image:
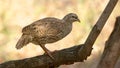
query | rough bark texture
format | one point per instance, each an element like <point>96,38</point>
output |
<point>66,56</point>
<point>85,51</point>
<point>112,48</point>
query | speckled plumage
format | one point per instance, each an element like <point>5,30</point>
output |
<point>47,30</point>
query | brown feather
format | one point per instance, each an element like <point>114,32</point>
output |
<point>47,30</point>
<point>24,40</point>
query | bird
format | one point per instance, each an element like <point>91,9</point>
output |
<point>47,30</point>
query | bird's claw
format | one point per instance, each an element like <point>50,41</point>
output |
<point>49,54</point>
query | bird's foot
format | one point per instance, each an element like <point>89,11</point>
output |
<point>49,53</point>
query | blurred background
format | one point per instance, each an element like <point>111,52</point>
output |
<point>16,14</point>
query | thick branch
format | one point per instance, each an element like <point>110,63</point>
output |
<point>97,29</point>
<point>66,56</point>
<point>112,48</point>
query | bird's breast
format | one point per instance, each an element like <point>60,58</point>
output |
<point>54,35</point>
<point>67,29</point>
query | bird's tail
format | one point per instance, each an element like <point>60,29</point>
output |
<point>24,40</point>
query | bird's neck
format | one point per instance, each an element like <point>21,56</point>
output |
<point>67,24</point>
<point>67,20</point>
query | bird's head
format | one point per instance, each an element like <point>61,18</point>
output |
<point>71,17</point>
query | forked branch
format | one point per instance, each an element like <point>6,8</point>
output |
<point>66,56</point>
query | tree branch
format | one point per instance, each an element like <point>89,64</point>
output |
<point>97,29</point>
<point>112,48</point>
<point>66,56</point>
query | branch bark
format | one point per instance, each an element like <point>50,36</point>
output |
<point>112,48</point>
<point>97,29</point>
<point>66,56</point>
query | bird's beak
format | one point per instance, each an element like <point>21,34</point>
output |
<point>78,20</point>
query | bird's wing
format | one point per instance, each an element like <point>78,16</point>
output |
<point>42,28</point>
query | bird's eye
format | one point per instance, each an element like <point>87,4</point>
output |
<point>74,17</point>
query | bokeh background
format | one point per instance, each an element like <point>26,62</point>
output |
<point>15,14</point>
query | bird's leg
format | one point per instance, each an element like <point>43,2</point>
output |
<point>47,51</point>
